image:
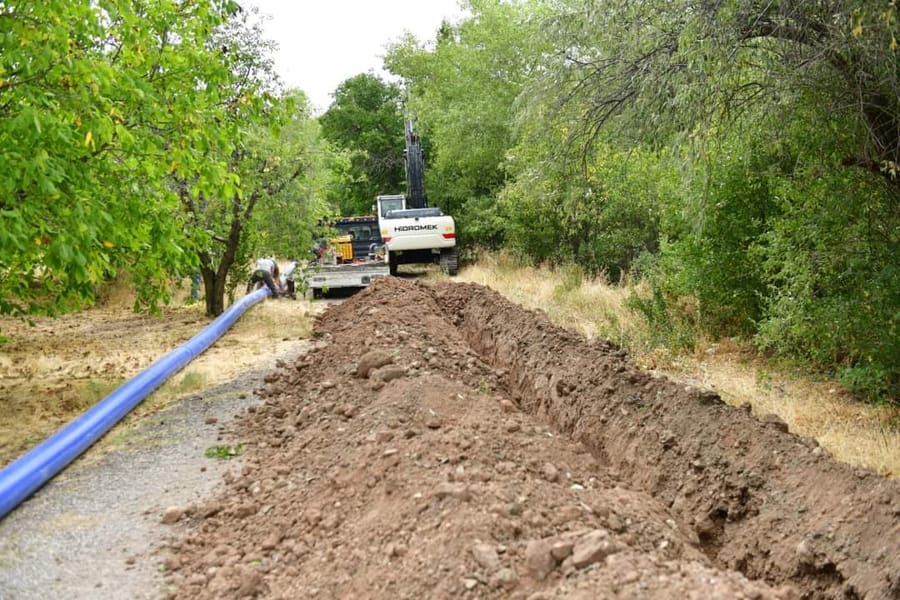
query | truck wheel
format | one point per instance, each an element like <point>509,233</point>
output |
<point>393,264</point>
<point>450,261</point>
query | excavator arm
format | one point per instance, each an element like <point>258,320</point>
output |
<point>415,169</point>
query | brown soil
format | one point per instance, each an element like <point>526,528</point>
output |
<point>443,442</point>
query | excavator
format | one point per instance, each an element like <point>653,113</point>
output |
<point>412,231</point>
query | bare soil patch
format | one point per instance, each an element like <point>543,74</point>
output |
<point>443,442</point>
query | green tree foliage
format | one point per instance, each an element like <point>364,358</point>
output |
<point>658,69</point>
<point>462,92</point>
<point>712,228</point>
<point>93,117</point>
<point>831,266</point>
<point>771,108</point>
<point>285,221</point>
<point>266,167</point>
<point>269,211</point>
<point>366,122</point>
<point>741,154</point>
<point>143,137</point>
<point>602,217</point>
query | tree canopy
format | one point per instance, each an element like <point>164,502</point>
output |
<point>99,102</point>
<point>137,137</point>
<point>740,155</point>
<point>366,121</point>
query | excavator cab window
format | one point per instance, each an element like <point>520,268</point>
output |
<point>388,205</point>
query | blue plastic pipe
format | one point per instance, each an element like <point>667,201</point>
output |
<point>27,474</point>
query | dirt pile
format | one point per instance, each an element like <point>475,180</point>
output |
<point>417,452</point>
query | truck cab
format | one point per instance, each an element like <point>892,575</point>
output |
<point>364,234</point>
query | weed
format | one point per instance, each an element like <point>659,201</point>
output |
<point>224,452</point>
<point>763,379</point>
<point>572,276</point>
<point>192,381</point>
<point>86,393</point>
<point>870,380</point>
<point>892,424</point>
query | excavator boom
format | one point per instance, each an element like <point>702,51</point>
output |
<point>415,169</point>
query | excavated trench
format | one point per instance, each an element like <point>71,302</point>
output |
<point>761,500</point>
<point>443,442</point>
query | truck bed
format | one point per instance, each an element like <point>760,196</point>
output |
<point>331,277</point>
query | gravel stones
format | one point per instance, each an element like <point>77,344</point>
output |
<point>539,558</point>
<point>592,547</point>
<point>173,514</point>
<point>486,556</point>
<point>448,489</point>
<point>550,472</point>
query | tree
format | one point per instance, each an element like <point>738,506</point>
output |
<point>286,221</point>
<point>265,158</point>
<point>849,50</point>
<point>366,121</point>
<point>770,108</point>
<point>646,68</point>
<point>277,197</point>
<point>99,102</point>
<point>141,138</point>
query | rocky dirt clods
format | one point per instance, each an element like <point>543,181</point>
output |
<point>446,443</point>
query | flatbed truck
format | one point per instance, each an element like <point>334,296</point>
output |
<point>354,258</point>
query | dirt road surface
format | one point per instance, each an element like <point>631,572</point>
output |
<point>442,442</point>
<point>94,530</point>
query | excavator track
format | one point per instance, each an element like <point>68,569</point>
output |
<point>450,261</point>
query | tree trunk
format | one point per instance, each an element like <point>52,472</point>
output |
<point>214,279</point>
<point>214,287</point>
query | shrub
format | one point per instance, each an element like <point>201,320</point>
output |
<point>832,271</point>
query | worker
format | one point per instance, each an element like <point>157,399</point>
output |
<point>266,271</point>
<point>288,286</point>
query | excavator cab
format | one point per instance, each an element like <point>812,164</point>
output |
<point>389,203</point>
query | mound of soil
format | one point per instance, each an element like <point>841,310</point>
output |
<point>443,442</point>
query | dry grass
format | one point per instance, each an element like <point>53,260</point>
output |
<point>51,373</point>
<point>853,432</point>
<point>256,341</point>
<point>590,306</point>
